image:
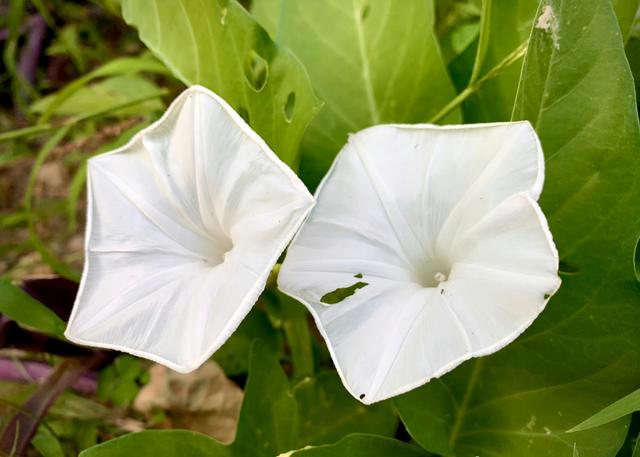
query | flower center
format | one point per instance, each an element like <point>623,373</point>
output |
<point>433,274</point>
<point>217,251</point>
<point>440,277</point>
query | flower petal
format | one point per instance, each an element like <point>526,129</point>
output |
<point>438,229</point>
<point>184,225</point>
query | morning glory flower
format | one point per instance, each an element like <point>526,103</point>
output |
<point>184,225</point>
<point>426,248</point>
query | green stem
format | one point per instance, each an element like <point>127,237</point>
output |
<point>27,131</point>
<point>483,43</point>
<point>35,129</point>
<point>474,86</point>
<point>47,256</point>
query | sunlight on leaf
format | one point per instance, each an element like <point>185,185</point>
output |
<point>219,45</point>
<point>371,62</point>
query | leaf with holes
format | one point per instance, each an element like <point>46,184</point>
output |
<point>371,62</point>
<point>217,44</point>
<point>581,355</point>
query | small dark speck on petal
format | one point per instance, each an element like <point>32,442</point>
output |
<point>361,396</point>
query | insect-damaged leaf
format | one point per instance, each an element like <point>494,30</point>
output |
<point>371,62</point>
<point>219,45</point>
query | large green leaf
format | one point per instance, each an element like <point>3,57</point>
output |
<point>328,412</point>
<point>623,407</point>
<point>371,62</point>
<point>25,310</point>
<point>234,354</point>
<point>159,443</point>
<point>582,353</point>
<point>217,44</point>
<point>363,446</point>
<point>268,423</point>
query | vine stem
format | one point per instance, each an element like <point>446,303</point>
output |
<point>474,86</point>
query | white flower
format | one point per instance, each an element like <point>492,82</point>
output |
<point>436,234</point>
<point>184,225</point>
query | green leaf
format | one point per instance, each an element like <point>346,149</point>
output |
<point>124,66</point>
<point>216,43</point>
<point>159,443</point>
<point>371,62</point>
<point>68,43</point>
<point>121,381</point>
<point>582,353</point>
<point>234,354</point>
<point>357,445</point>
<point>25,310</point>
<point>623,407</point>
<point>108,93</point>
<point>457,28</point>
<point>626,12</point>
<point>507,26</point>
<point>268,423</point>
<point>292,317</point>
<point>328,412</point>
<point>47,444</point>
